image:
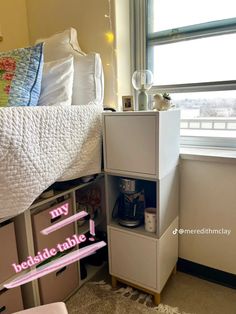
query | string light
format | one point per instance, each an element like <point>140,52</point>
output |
<point>109,35</point>
<point>110,38</point>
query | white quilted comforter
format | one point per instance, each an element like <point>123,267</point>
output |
<point>41,145</point>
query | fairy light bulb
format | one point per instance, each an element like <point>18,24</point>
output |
<point>110,37</point>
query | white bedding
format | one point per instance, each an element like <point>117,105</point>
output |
<point>41,145</point>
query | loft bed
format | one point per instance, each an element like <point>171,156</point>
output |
<point>40,145</point>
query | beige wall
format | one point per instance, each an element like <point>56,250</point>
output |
<point>46,17</point>
<point>123,49</point>
<point>208,200</point>
<point>13,24</point>
<point>23,21</point>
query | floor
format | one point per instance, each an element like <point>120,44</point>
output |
<point>198,296</point>
<point>193,295</point>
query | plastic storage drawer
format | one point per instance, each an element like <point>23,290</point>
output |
<point>10,301</point>
<point>8,252</point>
<point>43,220</point>
<point>58,285</point>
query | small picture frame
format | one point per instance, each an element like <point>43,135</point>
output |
<point>127,103</point>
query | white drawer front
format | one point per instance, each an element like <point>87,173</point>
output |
<point>133,258</point>
<point>131,144</point>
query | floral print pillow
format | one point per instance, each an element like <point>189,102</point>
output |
<point>20,76</point>
<point>7,70</point>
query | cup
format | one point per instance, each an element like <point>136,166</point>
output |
<point>150,219</point>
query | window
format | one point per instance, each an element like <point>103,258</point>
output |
<point>191,50</point>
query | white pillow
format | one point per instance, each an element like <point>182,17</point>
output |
<point>60,45</point>
<point>57,82</point>
<point>88,79</point>
<point>88,73</point>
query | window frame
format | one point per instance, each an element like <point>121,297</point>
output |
<point>141,45</point>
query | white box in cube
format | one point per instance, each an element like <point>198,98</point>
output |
<point>151,151</point>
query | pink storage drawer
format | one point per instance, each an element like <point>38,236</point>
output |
<point>58,285</point>
<point>8,252</point>
<point>10,301</point>
<point>43,220</point>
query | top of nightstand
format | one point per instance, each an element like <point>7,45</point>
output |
<point>139,113</point>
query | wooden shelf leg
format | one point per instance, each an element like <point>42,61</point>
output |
<point>113,282</point>
<point>157,298</point>
<point>174,271</point>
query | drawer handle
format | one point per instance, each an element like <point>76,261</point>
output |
<point>55,219</point>
<point>60,271</point>
<point>3,291</point>
<point>2,309</point>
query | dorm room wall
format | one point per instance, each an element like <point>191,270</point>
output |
<point>207,200</point>
<point>46,17</point>
<point>13,24</point>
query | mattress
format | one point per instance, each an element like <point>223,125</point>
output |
<point>42,145</point>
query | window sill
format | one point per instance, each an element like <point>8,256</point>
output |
<point>208,154</point>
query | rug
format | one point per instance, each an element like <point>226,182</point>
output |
<point>100,298</point>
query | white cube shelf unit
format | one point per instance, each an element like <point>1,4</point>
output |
<point>144,146</point>
<point>61,284</point>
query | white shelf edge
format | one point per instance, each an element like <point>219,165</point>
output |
<point>138,230</point>
<point>140,176</point>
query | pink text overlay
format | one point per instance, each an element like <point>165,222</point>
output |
<point>64,223</point>
<point>59,211</point>
<point>47,253</point>
<point>55,265</point>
